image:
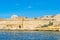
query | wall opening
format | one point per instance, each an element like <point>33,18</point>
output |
<point>19,26</point>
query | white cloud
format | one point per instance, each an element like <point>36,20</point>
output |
<point>17,4</point>
<point>29,6</point>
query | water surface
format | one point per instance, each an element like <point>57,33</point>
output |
<point>29,35</point>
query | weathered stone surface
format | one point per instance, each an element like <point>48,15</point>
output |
<point>16,22</point>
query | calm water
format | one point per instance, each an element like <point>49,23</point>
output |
<point>29,35</point>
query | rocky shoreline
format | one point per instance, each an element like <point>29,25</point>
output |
<point>37,29</point>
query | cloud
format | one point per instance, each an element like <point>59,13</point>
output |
<point>29,6</point>
<point>17,4</point>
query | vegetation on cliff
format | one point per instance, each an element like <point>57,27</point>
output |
<point>46,25</point>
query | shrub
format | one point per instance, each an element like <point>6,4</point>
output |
<point>44,26</point>
<point>50,24</point>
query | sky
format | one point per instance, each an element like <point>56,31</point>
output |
<point>29,8</point>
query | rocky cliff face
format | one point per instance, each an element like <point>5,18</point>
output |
<point>16,22</point>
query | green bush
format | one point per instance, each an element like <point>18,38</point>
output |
<point>44,26</point>
<point>50,24</point>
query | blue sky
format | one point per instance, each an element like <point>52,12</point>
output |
<point>29,8</point>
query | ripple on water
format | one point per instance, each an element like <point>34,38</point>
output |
<point>29,35</point>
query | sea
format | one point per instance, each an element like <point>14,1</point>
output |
<point>29,35</point>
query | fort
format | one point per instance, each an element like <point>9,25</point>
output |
<point>15,22</point>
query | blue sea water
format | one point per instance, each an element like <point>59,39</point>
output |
<point>29,35</point>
